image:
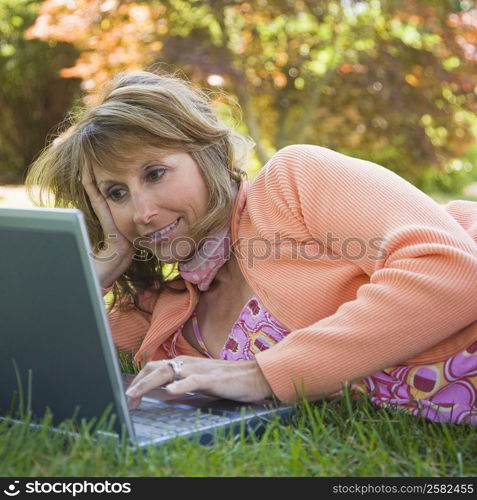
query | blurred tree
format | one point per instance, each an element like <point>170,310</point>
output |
<point>33,97</point>
<point>393,81</point>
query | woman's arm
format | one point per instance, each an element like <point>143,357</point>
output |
<point>128,328</point>
<point>422,281</point>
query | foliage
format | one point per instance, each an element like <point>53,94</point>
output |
<point>33,97</point>
<point>390,80</point>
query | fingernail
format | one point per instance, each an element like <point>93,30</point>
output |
<point>171,387</point>
<point>132,405</point>
<point>131,392</point>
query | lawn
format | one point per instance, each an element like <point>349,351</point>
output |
<point>341,437</point>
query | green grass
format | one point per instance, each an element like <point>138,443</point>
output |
<point>340,437</point>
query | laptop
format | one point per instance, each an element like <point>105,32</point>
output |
<point>56,348</point>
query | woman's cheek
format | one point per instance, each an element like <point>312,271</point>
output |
<point>124,224</point>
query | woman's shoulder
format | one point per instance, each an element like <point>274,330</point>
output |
<point>304,160</point>
<point>296,153</point>
<point>300,166</point>
<point>291,171</point>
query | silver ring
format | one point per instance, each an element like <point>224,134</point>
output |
<point>176,368</point>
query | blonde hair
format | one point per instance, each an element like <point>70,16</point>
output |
<point>137,109</point>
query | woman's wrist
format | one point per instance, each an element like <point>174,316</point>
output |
<point>108,272</point>
<point>262,387</point>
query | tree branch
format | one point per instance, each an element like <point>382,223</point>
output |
<point>251,121</point>
<point>240,85</point>
<point>311,105</point>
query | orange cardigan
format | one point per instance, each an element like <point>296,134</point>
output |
<point>365,270</point>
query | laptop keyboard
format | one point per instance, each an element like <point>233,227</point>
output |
<point>153,420</point>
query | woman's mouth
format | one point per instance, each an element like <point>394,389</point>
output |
<point>164,233</point>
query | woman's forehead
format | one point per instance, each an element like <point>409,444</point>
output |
<point>128,157</point>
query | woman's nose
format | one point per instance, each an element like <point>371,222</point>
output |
<point>144,210</point>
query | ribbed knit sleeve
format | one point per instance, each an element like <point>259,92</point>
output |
<point>422,268</point>
<point>129,327</point>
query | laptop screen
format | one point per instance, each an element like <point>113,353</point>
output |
<point>52,341</point>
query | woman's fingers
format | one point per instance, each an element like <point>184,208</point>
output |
<point>115,251</point>
<point>154,374</point>
<point>99,204</point>
<point>239,381</point>
<point>193,383</point>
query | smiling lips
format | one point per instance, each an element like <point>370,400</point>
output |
<point>163,233</point>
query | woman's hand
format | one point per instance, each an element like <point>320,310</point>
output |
<point>115,258</point>
<point>237,380</point>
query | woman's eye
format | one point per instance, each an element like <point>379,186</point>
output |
<point>115,194</point>
<point>119,193</point>
<point>155,174</point>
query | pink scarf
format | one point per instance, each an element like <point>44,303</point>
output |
<point>209,258</point>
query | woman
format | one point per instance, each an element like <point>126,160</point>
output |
<point>325,270</point>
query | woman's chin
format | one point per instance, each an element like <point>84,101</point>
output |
<point>170,254</point>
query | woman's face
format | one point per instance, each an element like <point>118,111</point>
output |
<point>155,200</point>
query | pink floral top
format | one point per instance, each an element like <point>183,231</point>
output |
<point>255,330</point>
<point>443,392</point>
